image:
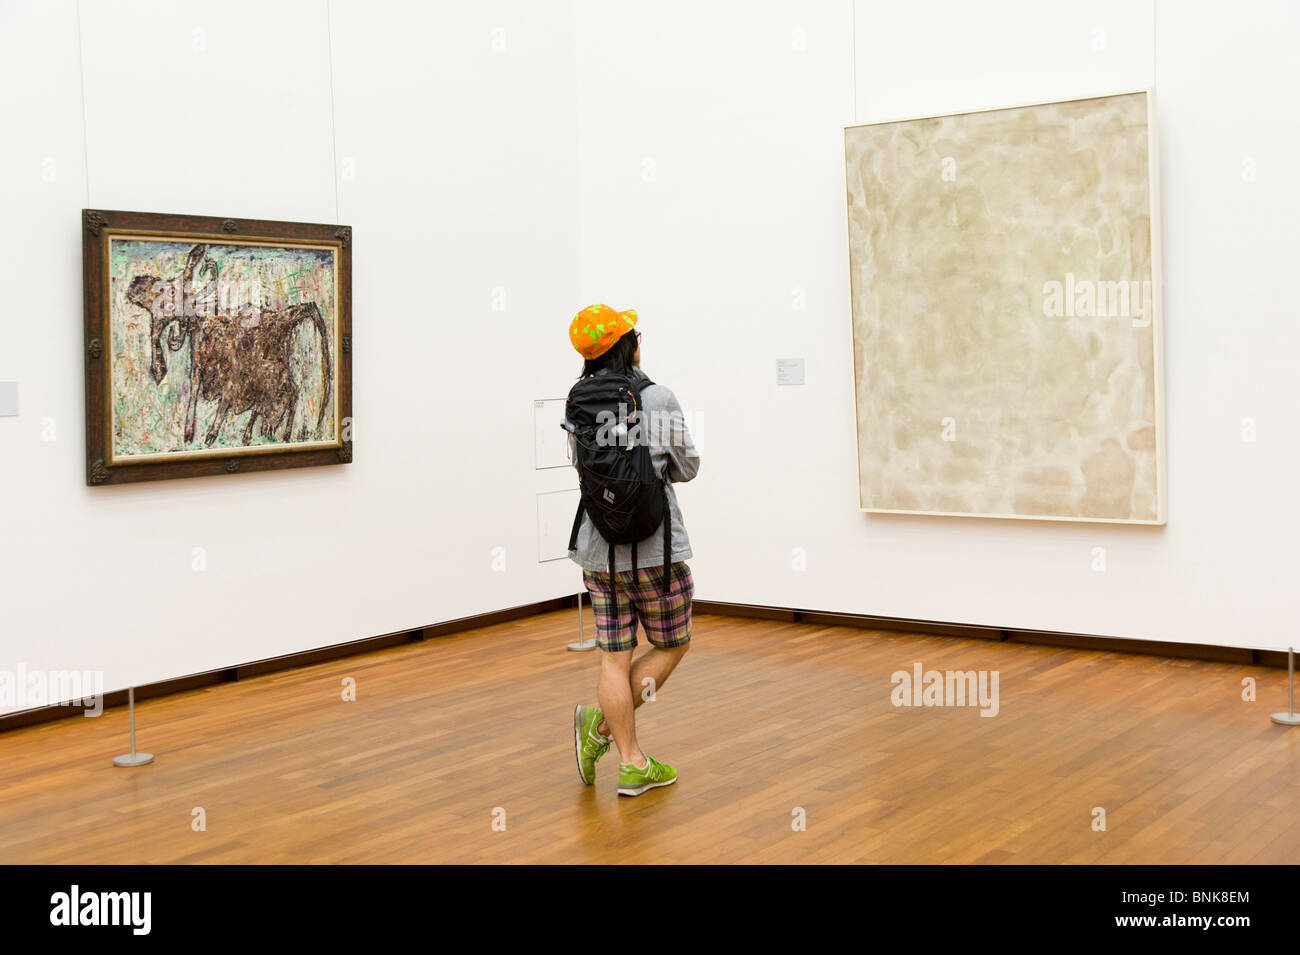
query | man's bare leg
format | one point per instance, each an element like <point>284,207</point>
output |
<point>656,665</point>
<point>614,694</point>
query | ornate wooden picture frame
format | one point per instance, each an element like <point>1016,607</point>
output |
<point>214,346</point>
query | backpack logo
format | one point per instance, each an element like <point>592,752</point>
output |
<point>608,495</point>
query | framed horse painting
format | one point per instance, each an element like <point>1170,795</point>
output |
<point>214,346</point>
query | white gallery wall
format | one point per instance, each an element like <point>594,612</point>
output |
<point>713,201</point>
<point>503,164</point>
<point>454,129</point>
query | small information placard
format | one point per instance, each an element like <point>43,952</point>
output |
<point>552,440</point>
<point>555,510</point>
<point>789,371</point>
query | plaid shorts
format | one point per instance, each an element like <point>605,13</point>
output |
<point>666,619</point>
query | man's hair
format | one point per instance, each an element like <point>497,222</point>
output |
<point>617,359</point>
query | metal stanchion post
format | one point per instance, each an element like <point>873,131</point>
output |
<point>582,644</point>
<point>1290,717</point>
<point>132,758</point>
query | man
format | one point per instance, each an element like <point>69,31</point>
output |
<point>609,345</point>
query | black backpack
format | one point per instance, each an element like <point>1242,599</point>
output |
<point>621,492</point>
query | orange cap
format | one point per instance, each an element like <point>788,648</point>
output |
<point>596,328</point>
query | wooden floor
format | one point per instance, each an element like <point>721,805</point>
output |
<point>761,717</point>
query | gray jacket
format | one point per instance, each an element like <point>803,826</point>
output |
<point>675,459</point>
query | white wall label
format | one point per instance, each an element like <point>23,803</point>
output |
<point>555,510</point>
<point>552,440</point>
<point>789,371</point>
<point>8,399</point>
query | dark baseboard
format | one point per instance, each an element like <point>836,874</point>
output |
<point>1156,648</point>
<point>288,661</point>
<point>1195,651</point>
<point>744,610</point>
<point>900,625</point>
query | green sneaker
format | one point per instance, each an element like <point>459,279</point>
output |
<point>633,781</point>
<point>588,745</point>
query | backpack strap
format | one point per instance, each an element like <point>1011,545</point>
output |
<point>634,563</point>
<point>613,587</point>
<point>577,522</point>
<point>639,383</point>
<point>668,543</point>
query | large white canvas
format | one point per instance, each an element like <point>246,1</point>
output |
<point>1006,312</point>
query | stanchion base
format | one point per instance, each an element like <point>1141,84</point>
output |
<point>1286,719</point>
<point>133,759</point>
<point>584,645</point>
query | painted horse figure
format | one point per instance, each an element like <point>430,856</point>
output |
<point>241,360</point>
